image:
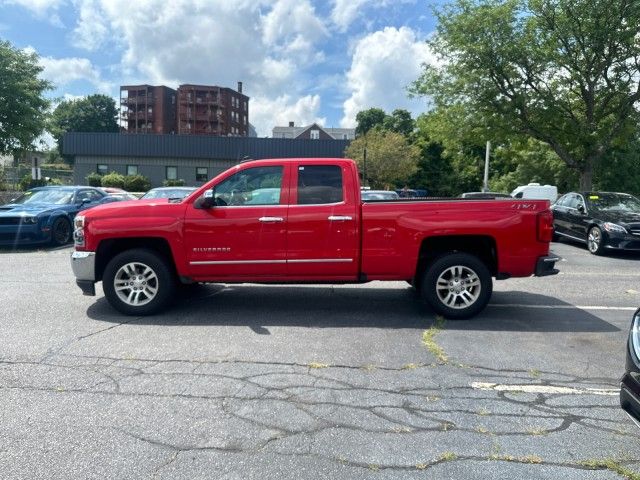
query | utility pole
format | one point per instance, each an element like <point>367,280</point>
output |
<point>485,184</point>
<point>364,167</point>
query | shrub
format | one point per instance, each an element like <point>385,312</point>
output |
<point>27,182</point>
<point>3,180</point>
<point>136,183</point>
<point>113,179</point>
<point>173,183</point>
<point>94,179</point>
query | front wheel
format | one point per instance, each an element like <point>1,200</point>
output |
<point>457,285</point>
<point>594,241</point>
<point>138,282</point>
<point>60,232</point>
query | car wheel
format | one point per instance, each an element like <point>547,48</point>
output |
<point>457,285</point>
<point>595,242</point>
<point>60,232</point>
<point>138,282</point>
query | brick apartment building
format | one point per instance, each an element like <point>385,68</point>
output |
<point>190,110</point>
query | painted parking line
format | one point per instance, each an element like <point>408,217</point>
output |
<point>564,307</point>
<point>546,389</point>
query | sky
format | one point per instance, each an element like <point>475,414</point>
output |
<point>299,60</point>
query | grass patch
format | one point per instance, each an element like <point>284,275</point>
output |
<point>410,366</point>
<point>534,372</point>
<point>610,464</point>
<point>447,457</point>
<point>318,365</point>
<point>483,412</point>
<point>428,340</point>
<point>537,431</point>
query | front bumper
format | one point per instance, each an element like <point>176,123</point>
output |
<point>15,235</point>
<point>545,265</point>
<point>84,269</point>
<point>621,241</point>
<point>630,396</point>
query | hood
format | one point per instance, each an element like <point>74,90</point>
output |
<point>19,209</point>
<point>621,218</point>
<point>137,208</point>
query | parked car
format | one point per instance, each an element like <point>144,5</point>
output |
<point>535,191</point>
<point>118,194</point>
<point>168,192</point>
<point>368,195</point>
<point>602,220</point>
<point>485,195</point>
<point>630,383</point>
<point>319,231</point>
<point>45,214</point>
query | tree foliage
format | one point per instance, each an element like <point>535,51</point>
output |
<point>95,113</point>
<point>390,158</point>
<point>22,105</point>
<point>564,72</point>
<point>368,119</point>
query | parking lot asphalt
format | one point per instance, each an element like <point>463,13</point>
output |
<point>336,382</point>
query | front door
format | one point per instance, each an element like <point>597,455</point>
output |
<point>243,237</point>
<point>322,238</point>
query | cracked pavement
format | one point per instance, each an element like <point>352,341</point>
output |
<point>241,382</point>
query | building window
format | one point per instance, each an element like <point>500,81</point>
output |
<point>102,169</point>
<point>132,169</point>
<point>315,134</point>
<point>202,174</point>
<point>171,173</point>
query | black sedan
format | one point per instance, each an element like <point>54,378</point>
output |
<point>602,220</point>
<point>630,384</point>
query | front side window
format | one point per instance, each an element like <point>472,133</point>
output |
<point>102,169</point>
<point>132,169</point>
<point>250,187</point>
<point>319,184</point>
<point>202,174</point>
<point>171,173</point>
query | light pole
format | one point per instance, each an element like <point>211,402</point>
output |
<point>485,184</point>
<point>364,167</point>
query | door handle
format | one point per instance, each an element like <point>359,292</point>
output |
<point>339,218</point>
<point>271,219</point>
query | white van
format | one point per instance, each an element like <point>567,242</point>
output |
<point>535,191</point>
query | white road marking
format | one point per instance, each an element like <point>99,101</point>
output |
<point>565,307</point>
<point>548,389</point>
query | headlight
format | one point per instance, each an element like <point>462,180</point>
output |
<point>634,336</point>
<point>29,220</point>
<point>79,221</point>
<point>614,227</point>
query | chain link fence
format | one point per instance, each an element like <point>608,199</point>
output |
<point>13,175</point>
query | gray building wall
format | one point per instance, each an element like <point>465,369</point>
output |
<point>153,153</point>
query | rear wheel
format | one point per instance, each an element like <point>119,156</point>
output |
<point>138,282</point>
<point>595,241</point>
<point>457,285</point>
<point>60,232</point>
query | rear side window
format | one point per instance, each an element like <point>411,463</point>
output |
<point>319,184</point>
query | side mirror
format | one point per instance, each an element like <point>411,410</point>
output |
<point>581,208</point>
<point>206,201</point>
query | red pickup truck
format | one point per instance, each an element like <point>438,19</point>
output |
<point>302,220</point>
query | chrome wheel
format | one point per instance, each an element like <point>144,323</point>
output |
<point>594,240</point>
<point>458,287</point>
<point>135,284</point>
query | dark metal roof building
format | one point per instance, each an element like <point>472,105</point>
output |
<point>192,158</point>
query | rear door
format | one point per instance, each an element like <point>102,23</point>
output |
<point>244,236</point>
<point>323,232</point>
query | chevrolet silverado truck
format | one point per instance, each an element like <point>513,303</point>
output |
<point>302,221</point>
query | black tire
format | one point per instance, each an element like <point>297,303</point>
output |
<point>60,232</point>
<point>595,241</point>
<point>457,285</point>
<point>146,283</point>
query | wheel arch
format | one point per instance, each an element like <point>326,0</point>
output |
<point>109,248</point>
<point>482,246</point>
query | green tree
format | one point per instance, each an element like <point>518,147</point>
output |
<point>563,72</point>
<point>400,121</point>
<point>368,119</point>
<point>22,105</point>
<point>391,159</point>
<point>95,113</point>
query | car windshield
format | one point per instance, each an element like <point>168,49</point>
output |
<point>167,193</point>
<point>613,202</point>
<point>57,197</point>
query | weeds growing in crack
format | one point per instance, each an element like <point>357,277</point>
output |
<point>447,457</point>
<point>318,365</point>
<point>428,340</point>
<point>535,373</point>
<point>612,465</point>
<point>537,431</point>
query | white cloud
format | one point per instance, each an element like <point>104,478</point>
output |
<point>345,12</point>
<point>91,31</point>
<point>42,9</point>
<point>383,64</point>
<point>267,113</point>
<point>62,71</point>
